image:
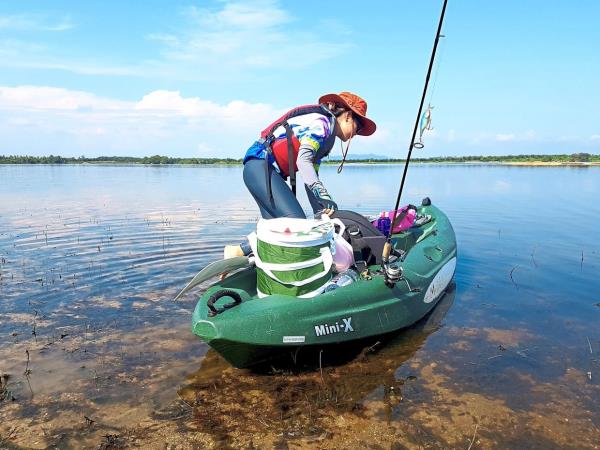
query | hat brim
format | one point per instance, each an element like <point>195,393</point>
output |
<point>368,126</point>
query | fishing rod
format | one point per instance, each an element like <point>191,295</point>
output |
<point>395,273</point>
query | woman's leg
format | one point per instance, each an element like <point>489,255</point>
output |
<point>283,203</point>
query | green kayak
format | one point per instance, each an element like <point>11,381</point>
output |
<point>246,329</point>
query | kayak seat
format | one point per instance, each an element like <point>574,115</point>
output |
<point>366,240</point>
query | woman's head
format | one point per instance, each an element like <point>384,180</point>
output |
<point>350,111</point>
<point>348,125</point>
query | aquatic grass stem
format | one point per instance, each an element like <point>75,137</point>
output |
<point>511,276</point>
<point>473,439</point>
<point>321,366</point>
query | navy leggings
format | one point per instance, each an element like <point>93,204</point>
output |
<point>283,203</point>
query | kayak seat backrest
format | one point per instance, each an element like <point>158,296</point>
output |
<point>366,240</point>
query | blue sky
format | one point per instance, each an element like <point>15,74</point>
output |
<point>202,78</point>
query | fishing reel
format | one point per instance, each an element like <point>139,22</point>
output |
<point>392,271</point>
<point>392,274</point>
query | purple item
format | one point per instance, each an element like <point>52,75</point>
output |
<point>383,224</point>
<point>405,219</point>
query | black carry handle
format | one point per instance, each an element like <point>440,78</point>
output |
<point>212,311</point>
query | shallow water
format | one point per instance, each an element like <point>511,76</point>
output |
<point>95,353</point>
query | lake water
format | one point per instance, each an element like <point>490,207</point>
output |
<point>94,352</point>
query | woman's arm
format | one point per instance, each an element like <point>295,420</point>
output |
<point>306,168</point>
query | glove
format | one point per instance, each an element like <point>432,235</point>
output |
<point>322,196</point>
<point>329,204</point>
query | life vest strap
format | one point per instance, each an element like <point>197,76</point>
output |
<point>269,151</point>
<point>291,158</point>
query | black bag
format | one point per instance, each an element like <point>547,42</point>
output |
<point>366,240</point>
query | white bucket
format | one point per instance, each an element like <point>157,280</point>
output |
<point>296,275</point>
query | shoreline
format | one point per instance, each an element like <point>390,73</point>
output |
<point>483,163</point>
<point>551,163</point>
<point>330,163</point>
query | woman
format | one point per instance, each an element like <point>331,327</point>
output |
<point>297,142</point>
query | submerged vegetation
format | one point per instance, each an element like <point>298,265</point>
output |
<point>166,160</point>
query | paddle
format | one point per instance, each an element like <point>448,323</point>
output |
<point>217,268</point>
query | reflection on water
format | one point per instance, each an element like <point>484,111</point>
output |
<point>93,352</point>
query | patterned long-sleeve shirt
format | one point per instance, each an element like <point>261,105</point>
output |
<point>311,130</point>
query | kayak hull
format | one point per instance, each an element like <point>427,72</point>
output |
<point>258,329</point>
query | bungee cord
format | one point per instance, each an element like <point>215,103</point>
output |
<point>344,154</point>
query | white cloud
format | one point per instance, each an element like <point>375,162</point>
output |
<point>234,39</point>
<point>505,137</point>
<point>486,138</point>
<point>595,137</point>
<point>567,139</point>
<point>250,15</point>
<point>51,98</point>
<point>43,119</point>
<point>163,37</point>
<point>170,102</point>
<point>35,22</point>
<point>245,35</point>
<point>237,113</point>
<point>85,68</point>
<point>21,54</point>
<point>206,150</point>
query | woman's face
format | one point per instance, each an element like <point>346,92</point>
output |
<point>348,126</point>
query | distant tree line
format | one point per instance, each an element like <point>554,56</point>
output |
<point>156,159</point>
<point>574,158</point>
<point>165,160</point>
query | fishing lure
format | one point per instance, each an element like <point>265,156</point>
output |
<point>425,125</point>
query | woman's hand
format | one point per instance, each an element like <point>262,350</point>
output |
<point>324,199</point>
<point>327,211</point>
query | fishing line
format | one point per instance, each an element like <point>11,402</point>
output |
<point>437,69</point>
<point>426,119</point>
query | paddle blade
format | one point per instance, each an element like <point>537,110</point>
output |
<point>214,269</point>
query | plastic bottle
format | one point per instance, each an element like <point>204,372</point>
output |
<point>342,279</point>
